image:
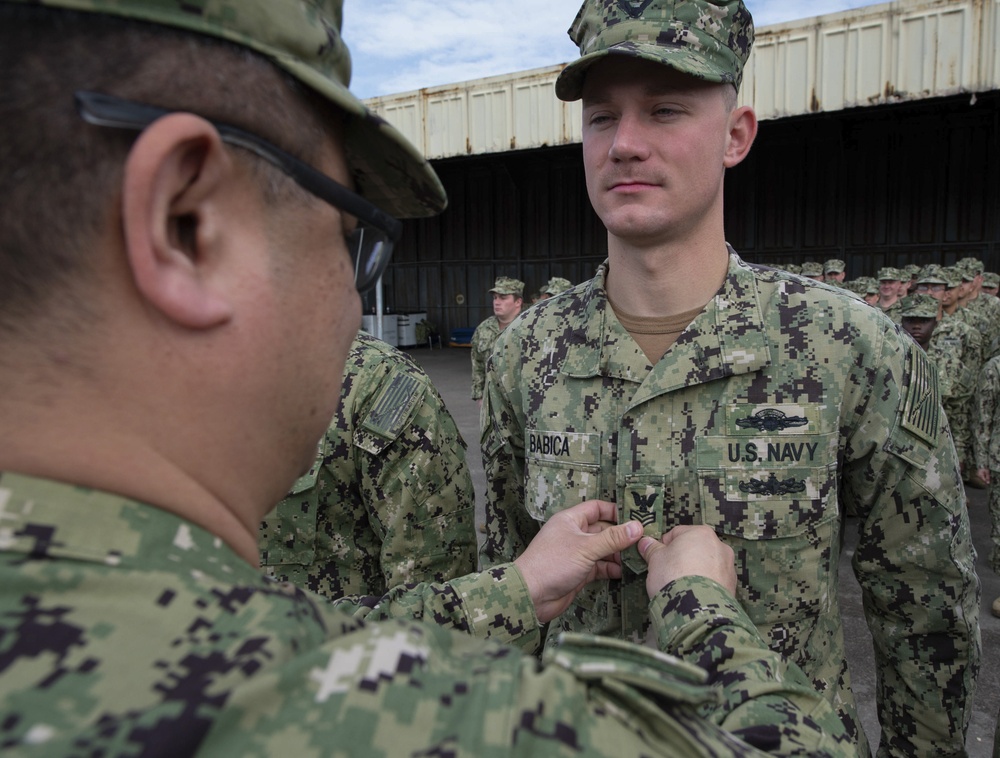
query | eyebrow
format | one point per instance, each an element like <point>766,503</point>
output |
<point>655,89</point>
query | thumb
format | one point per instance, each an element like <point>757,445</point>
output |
<point>648,546</point>
<point>614,539</point>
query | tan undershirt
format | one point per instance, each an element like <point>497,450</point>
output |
<point>653,334</point>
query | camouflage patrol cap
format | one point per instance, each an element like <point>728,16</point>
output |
<point>812,268</point>
<point>919,306</point>
<point>888,273</point>
<point>871,286</point>
<point>505,285</point>
<point>953,277</point>
<point>991,279</point>
<point>834,266</point>
<point>707,39</point>
<point>556,285</point>
<point>932,273</point>
<point>793,268</point>
<point>972,264</point>
<point>303,38</point>
<point>911,269</point>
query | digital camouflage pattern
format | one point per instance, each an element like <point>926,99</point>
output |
<point>506,285</point>
<point>956,350</point>
<point>125,630</point>
<point>389,499</point>
<point>988,310</point>
<point>986,446</point>
<point>303,38</point>
<point>785,406</point>
<point>556,285</point>
<point>482,343</point>
<point>708,39</point>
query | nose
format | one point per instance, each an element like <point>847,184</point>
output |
<point>630,140</point>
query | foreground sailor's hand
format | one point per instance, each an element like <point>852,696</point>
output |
<point>687,551</point>
<point>574,547</point>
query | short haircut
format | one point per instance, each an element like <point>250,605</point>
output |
<point>60,174</point>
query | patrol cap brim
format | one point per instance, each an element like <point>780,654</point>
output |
<point>303,38</point>
<point>569,83</point>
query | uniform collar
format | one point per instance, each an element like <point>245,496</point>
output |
<point>726,339</point>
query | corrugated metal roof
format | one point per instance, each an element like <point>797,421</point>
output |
<point>898,51</point>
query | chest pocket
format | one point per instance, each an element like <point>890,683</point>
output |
<point>769,488</point>
<point>561,469</point>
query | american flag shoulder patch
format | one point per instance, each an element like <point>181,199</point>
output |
<point>391,410</point>
<point>922,407</point>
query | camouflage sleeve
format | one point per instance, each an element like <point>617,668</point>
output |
<point>492,604</point>
<point>914,559</point>
<point>416,482</point>
<point>391,685</point>
<point>478,364</point>
<point>509,527</point>
<point>984,411</point>
<point>763,699</point>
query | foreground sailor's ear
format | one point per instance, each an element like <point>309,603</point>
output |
<point>742,131</point>
<point>174,214</point>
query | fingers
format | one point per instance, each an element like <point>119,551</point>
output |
<point>613,539</point>
<point>590,512</point>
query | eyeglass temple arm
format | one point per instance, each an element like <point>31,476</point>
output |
<point>107,110</point>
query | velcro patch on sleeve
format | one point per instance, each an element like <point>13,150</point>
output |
<point>922,405</point>
<point>394,406</point>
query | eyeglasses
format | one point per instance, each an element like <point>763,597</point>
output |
<point>371,242</point>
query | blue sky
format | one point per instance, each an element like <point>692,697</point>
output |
<point>402,45</point>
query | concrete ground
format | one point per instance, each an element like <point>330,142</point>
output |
<point>450,370</point>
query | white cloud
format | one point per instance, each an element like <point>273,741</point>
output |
<point>401,45</point>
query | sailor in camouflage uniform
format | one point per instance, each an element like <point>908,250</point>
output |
<point>953,340</point>
<point>986,444</point>
<point>781,407</point>
<point>508,297</point>
<point>389,499</point>
<point>175,313</point>
<point>921,317</point>
<point>991,283</point>
<point>889,281</point>
<point>988,308</point>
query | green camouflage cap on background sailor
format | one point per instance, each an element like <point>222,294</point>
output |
<point>812,268</point>
<point>834,266</point>
<point>991,280</point>
<point>793,268</point>
<point>505,285</point>
<point>972,264</point>
<point>911,270</point>
<point>919,306</point>
<point>932,273</point>
<point>953,277</point>
<point>707,39</point>
<point>556,285</point>
<point>304,40</point>
<point>889,274</point>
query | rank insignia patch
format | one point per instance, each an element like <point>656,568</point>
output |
<point>633,8</point>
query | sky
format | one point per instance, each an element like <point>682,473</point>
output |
<point>402,45</point>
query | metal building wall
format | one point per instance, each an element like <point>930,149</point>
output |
<point>876,55</point>
<point>887,185</point>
